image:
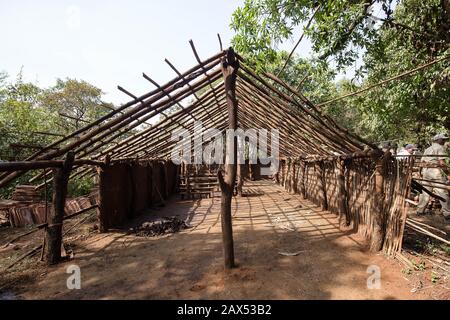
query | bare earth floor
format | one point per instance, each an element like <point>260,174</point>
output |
<point>331,264</point>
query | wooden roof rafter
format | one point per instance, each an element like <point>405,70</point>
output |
<point>264,102</point>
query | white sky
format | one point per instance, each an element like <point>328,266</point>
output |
<point>110,43</point>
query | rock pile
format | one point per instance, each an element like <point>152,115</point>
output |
<point>161,226</point>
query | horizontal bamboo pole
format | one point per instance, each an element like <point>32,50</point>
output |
<point>425,232</point>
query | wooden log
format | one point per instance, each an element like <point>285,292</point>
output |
<point>425,232</point>
<point>426,226</point>
<point>419,187</point>
<point>53,236</point>
<point>229,70</point>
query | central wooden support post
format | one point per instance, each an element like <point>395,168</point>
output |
<point>229,68</point>
<point>53,236</point>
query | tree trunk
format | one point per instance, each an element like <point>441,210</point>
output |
<point>229,69</point>
<point>53,236</point>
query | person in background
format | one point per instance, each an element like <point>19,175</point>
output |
<point>386,147</point>
<point>406,151</point>
<point>437,167</point>
<point>393,149</point>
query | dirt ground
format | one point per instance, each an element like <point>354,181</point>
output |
<point>285,248</point>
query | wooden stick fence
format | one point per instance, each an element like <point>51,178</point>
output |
<point>367,193</point>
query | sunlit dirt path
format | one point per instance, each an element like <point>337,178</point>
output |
<point>270,226</point>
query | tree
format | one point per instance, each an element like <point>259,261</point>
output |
<point>20,117</point>
<point>27,111</point>
<point>417,104</point>
<point>339,27</point>
<point>388,36</point>
<point>76,102</point>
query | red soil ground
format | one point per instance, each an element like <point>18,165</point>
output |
<point>331,263</point>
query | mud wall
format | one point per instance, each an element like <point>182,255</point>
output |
<point>128,189</point>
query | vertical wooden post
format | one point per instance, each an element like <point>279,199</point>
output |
<point>294,181</point>
<point>229,69</point>
<point>378,232</point>
<point>303,178</point>
<point>102,195</point>
<point>344,217</point>
<point>288,179</point>
<point>322,184</point>
<point>166,179</point>
<point>53,236</point>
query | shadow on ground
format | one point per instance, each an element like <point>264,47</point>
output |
<point>285,248</point>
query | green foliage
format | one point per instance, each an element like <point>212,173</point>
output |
<point>419,266</point>
<point>26,110</point>
<point>80,187</point>
<point>339,28</point>
<point>388,36</point>
<point>79,100</point>
<point>21,116</point>
<point>435,277</point>
<point>416,106</point>
<point>407,271</point>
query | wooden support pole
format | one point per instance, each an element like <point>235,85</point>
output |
<point>322,184</point>
<point>53,236</point>
<point>294,182</point>
<point>303,178</point>
<point>229,69</point>
<point>287,177</point>
<point>102,195</point>
<point>378,232</point>
<point>344,216</point>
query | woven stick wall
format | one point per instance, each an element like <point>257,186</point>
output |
<point>320,183</point>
